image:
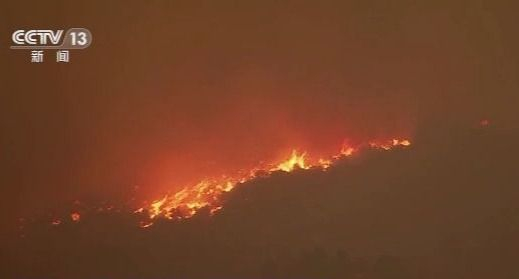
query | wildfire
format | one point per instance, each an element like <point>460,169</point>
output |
<point>207,193</point>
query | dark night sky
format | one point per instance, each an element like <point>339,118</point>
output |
<point>172,91</point>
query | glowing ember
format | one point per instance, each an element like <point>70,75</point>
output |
<point>75,217</point>
<point>145,224</point>
<point>213,210</point>
<point>484,122</point>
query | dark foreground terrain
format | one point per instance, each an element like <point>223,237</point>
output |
<point>444,208</point>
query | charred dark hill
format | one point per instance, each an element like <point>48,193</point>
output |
<point>444,208</point>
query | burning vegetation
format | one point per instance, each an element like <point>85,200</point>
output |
<point>207,193</point>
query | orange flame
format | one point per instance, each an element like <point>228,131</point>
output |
<point>295,161</point>
<point>325,163</point>
<point>347,150</point>
<point>397,142</point>
<point>207,193</point>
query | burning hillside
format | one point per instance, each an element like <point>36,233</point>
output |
<point>365,213</point>
<point>207,193</point>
